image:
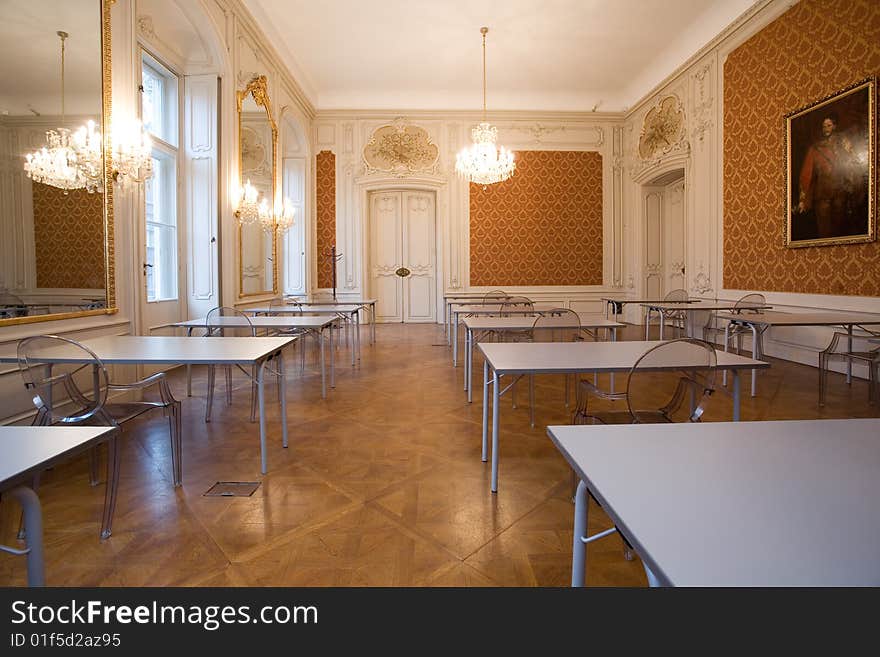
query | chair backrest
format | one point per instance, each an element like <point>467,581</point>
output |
<point>63,392</point>
<point>750,303</point>
<point>676,295</point>
<point>557,325</point>
<point>229,323</point>
<point>493,295</point>
<point>655,392</point>
<point>516,303</point>
<point>12,305</point>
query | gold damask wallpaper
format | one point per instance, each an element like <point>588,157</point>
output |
<point>542,226</point>
<point>325,181</point>
<point>811,51</point>
<point>69,238</point>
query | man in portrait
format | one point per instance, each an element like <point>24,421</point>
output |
<point>829,181</point>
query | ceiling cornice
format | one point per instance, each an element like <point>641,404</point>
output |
<point>471,115</point>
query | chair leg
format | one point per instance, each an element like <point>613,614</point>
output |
<point>229,385</point>
<point>113,449</point>
<point>823,375</point>
<point>210,401</point>
<point>174,426</point>
<point>94,459</point>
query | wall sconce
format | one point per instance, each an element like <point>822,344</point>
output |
<point>280,222</point>
<point>252,209</point>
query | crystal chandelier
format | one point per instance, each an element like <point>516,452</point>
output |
<point>483,162</point>
<point>132,153</point>
<point>70,160</point>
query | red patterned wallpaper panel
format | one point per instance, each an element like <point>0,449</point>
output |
<point>542,226</point>
<point>325,181</point>
<point>811,51</point>
<point>69,238</point>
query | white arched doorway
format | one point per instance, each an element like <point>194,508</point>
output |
<point>664,221</point>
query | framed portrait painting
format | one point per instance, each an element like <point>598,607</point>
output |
<point>830,156</point>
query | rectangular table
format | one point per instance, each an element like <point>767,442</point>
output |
<point>488,308</point>
<point>312,325</point>
<point>617,303</point>
<point>690,307</point>
<point>449,299</point>
<point>519,358</point>
<point>371,303</point>
<point>844,320</point>
<point>479,326</point>
<point>784,503</point>
<point>349,313</point>
<point>173,350</point>
<point>27,451</point>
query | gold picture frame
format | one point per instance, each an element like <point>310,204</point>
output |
<point>830,157</point>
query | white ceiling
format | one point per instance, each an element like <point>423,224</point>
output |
<point>567,55</point>
<point>30,57</point>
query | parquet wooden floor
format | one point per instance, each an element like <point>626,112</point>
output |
<point>382,484</point>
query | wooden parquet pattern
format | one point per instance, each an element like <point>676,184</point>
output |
<point>382,485</point>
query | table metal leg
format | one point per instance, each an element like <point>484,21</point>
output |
<point>579,548</point>
<point>33,533</point>
<point>754,356</point>
<point>467,356</point>
<point>332,361</point>
<point>283,381</point>
<point>322,339</point>
<point>357,327</point>
<point>496,408</point>
<point>189,390</point>
<point>262,404</point>
<point>648,324</point>
<point>613,339</point>
<point>726,344</point>
<point>736,396</point>
<point>849,331</point>
<point>485,410</point>
<point>455,340</point>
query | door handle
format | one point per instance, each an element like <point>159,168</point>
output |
<point>146,264</point>
<point>403,272</point>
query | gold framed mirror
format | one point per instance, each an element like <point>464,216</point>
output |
<point>56,255</point>
<point>257,166</point>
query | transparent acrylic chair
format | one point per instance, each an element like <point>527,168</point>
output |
<point>839,348</point>
<point>654,394</point>
<point>677,319</point>
<point>750,304</point>
<point>227,322</point>
<point>289,306</point>
<point>556,325</point>
<point>72,393</point>
<point>494,295</point>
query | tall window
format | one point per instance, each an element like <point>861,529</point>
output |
<point>159,112</point>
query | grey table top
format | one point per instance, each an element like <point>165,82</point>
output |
<point>587,320</point>
<point>700,304</point>
<point>275,321</point>
<point>783,503</point>
<point>573,357</point>
<point>326,309</point>
<point>491,307</point>
<point>132,350</point>
<point>803,319</point>
<point>625,300</point>
<point>27,449</point>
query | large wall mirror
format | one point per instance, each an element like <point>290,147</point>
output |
<point>56,249</point>
<point>257,145</point>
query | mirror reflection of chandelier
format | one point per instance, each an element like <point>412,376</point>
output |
<point>483,162</point>
<point>71,160</point>
<point>253,209</point>
<point>75,160</point>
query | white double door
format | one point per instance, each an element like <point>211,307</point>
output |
<point>403,255</point>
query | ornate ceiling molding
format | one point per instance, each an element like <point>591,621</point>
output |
<point>401,149</point>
